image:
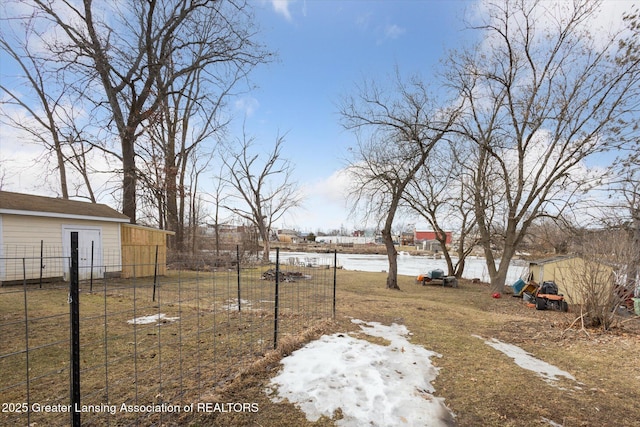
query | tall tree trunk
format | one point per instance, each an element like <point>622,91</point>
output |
<point>171,179</point>
<point>266,243</point>
<point>87,184</point>
<point>450,268</point>
<point>172,203</point>
<point>129,177</point>
<point>181,169</point>
<point>61,165</point>
<point>194,213</point>
<point>392,254</point>
<point>79,162</point>
<point>499,275</point>
<point>217,237</point>
<point>459,271</point>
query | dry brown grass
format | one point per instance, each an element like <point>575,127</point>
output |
<point>172,362</point>
<point>482,386</point>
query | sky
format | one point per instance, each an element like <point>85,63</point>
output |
<point>325,49</point>
<point>382,384</point>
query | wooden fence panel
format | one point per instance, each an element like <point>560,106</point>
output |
<point>139,251</point>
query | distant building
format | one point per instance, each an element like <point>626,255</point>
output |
<point>407,238</point>
<point>429,236</point>
<point>288,236</point>
<point>342,240</point>
<point>231,234</point>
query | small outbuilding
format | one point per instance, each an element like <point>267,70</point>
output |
<point>38,229</point>
<point>571,273</point>
<point>35,240</point>
<point>288,236</point>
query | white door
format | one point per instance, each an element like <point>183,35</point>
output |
<point>89,251</point>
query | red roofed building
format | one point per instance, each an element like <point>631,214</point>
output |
<point>426,236</point>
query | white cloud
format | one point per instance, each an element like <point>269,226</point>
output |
<point>393,31</point>
<point>248,105</point>
<point>552,13</point>
<point>363,21</point>
<point>334,187</point>
<point>325,205</point>
<point>282,7</point>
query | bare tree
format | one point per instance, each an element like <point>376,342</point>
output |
<point>189,120</point>
<point>44,127</point>
<point>130,61</point>
<point>440,194</point>
<point>265,188</point>
<point>601,274</point>
<point>631,191</point>
<point>630,166</point>
<point>196,208</point>
<point>541,96</point>
<point>184,129</point>
<point>621,214</point>
<point>397,129</point>
<point>51,112</point>
<point>551,235</point>
<point>219,200</point>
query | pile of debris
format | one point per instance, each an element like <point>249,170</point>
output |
<point>284,276</point>
<point>542,297</point>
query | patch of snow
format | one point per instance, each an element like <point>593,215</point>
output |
<point>526,360</point>
<point>551,422</point>
<point>372,384</point>
<point>232,304</point>
<point>152,318</point>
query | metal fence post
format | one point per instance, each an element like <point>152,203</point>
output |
<point>75,331</point>
<point>155,275</point>
<point>335,269</point>
<point>26,338</point>
<point>275,314</point>
<point>238,269</point>
<point>41,260</point>
<point>91,273</point>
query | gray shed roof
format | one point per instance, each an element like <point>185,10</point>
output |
<point>552,259</point>
<point>30,205</point>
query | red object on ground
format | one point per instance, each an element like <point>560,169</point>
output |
<point>496,295</point>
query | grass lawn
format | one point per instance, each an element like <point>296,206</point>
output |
<point>201,341</point>
<point>481,385</point>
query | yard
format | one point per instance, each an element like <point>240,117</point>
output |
<point>227,380</point>
<point>146,350</point>
<point>480,385</point>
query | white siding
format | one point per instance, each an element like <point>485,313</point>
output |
<point>22,236</point>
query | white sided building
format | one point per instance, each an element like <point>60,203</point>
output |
<point>35,237</point>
